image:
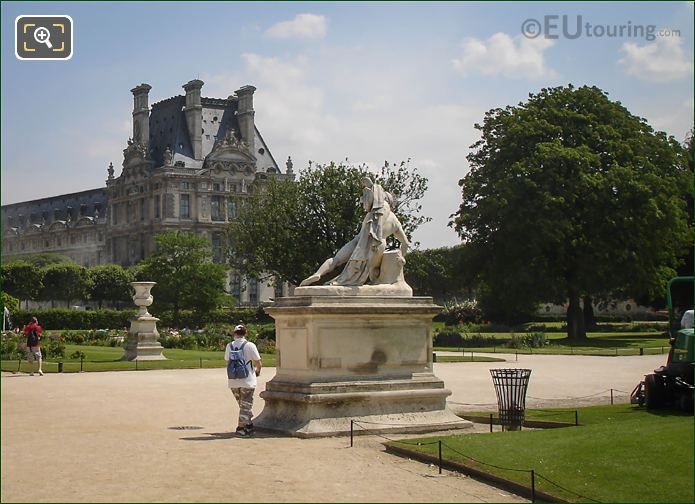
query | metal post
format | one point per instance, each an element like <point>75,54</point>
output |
<point>81,360</point>
<point>471,356</point>
<point>201,362</point>
<point>490,422</point>
<point>616,350</point>
<point>60,367</point>
<point>517,355</point>
<point>611,397</point>
<point>440,456</point>
<point>533,485</point>
<point>136,364</point>
<point>19,364</point>
<point>576,417</point>
<point>352,423</point>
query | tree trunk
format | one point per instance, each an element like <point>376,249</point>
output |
<point>176,315</point>
<point>589,317</point>
<point>575,318</point>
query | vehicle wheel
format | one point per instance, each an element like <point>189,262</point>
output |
<point>685,402</point>
<point>654,390</point>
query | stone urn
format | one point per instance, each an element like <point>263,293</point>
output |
<point>142,297</point>
<point>143,337</point>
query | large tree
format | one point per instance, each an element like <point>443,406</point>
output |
<point>571,195</point>
<point>65,282</point>
<point>287,228</point>
<point>439,273</point>
<point>185,274</point>
<point>22,280</point>
<point>109,282</point>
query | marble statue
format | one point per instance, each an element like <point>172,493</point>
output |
<point>168,157</point>
<point>363,255</point>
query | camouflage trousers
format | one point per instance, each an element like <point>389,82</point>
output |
<point>244,396</point>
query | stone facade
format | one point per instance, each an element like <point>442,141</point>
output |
<point>191,160</point>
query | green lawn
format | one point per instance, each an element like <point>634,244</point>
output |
<point>599,343</point>
<point>618,454</point>
<point>460,358</point>
<point>100,358</point>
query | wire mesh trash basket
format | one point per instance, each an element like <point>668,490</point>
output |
<point>510,387</point>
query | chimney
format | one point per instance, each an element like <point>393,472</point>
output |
<point>245,115</point>
<point>141,114</point>
<point>194,116</point>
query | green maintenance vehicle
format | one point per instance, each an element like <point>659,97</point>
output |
<point>671,386</point>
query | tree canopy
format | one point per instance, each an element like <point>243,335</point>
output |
<point>22,280</point>
<point>439,273</point>
<point>65,282</point>
<point>569,194</point>
<point>287,228</point>
<point>109,282</point>
<point>186,278</point>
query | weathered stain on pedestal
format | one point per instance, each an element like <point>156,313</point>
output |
<point>143,337</point>
<point>343,358</point>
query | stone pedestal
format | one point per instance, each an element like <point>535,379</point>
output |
<point>142,341</point>
<point>343,358</point>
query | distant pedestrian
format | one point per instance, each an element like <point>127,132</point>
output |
<point>243,366</point>
<point>33,333</point>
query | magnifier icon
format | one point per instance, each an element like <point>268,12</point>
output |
<point>43,36</point>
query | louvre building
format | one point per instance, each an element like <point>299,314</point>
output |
<point>188,163</point>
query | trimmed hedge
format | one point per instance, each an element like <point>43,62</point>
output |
<point>63,318</point>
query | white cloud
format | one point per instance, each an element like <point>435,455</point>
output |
<point>309,26</point>
<point>515,58</point>
<point>661,61</point>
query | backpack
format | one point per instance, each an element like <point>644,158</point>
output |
<point>237,367</point>
<point>33,339</point>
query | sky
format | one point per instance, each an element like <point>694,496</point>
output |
<point>367,82</point>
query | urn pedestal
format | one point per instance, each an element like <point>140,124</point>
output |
<point>343,358</point>
<point>142,343</point>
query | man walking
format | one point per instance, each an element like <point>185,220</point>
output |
<point>243,366</point>
<point>33,332</point>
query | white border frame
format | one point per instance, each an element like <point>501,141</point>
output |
<point>72,35</point>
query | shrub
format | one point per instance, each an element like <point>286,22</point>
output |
<point>78,354</point>
<point>265,346</point>
<point>63,318</point>
<point>11,347</point>
<point>531,340</point>
<point>53,346</point>
<point>460,312</point>
<point>447,339</point>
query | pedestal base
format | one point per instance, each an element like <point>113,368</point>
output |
<point>142,341</point>
<point>343,358</point>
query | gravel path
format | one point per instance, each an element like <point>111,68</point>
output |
<point>166,436</point>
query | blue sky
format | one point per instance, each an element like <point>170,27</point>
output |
<point>370,82</point>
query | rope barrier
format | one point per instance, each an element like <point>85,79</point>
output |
<point>566,489</point>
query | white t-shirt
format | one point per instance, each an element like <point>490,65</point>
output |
<point>250,354</point>
<point>687,320</point>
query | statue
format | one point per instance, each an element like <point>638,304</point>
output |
<point>110,170</point>
<point>168,157</point>
<point>363,255</point>
<point>289,165</point>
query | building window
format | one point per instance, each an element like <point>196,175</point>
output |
<point>217,255</point>
<point>235,286</point>
<point>185,186</point>
<point>253,291</point>
<point>142,210</point>
<point>216,187</point>
<point>216,208</point>
<point>231,209</point>
<point>185,207</point>
<point>157,204</point>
